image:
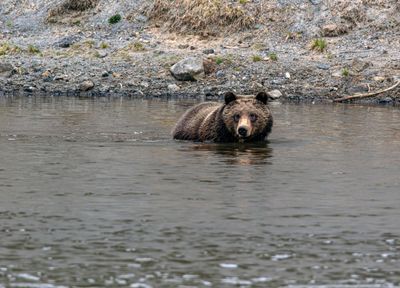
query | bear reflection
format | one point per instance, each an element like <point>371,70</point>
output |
<point>238,153</point>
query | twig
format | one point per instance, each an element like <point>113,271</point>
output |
<point>356,96</point>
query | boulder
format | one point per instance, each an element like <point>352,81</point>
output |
<point>188,69</point>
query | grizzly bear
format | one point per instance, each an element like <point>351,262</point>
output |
<point>239,119</point>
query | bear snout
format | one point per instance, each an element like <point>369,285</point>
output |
<point>242,131</point>
<point>244,127</point>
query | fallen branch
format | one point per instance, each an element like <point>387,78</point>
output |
<point>357,96</point>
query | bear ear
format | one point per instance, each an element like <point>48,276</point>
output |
<point>262,96</point>
<point>229,97</point>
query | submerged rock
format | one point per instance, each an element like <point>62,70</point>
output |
<point>188,69</point>
<point>274,94</point>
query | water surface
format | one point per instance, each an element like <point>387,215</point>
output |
<point>94,193</point>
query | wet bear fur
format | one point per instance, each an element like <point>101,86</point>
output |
<point>239,119</point>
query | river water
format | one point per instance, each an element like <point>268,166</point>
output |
<point>95,193</point>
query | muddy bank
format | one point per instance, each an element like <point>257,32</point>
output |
<point>79,52</point>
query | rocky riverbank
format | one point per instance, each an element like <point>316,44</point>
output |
<point>82,52</point>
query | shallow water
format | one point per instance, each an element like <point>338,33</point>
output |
<point>94,193</point>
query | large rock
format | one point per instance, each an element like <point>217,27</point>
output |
<point>86,85</point>
<point>67,41</point>
<point>6,70</point>
<point>188,69</point>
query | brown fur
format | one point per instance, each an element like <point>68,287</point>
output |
<point>239,119</point>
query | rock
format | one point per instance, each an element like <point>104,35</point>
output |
<point>359,65</point>
<point>386,100</point>
<point>188,69</point>
<point>287,75</point>
<point>379,78</point>
<point>220,74</point>
<point>105,74</point>
<point>60,77</point>
<point>102,54</point>
<point>334,30</point>
<point>209,66</point>
<point>145,84</point>
<point>274,94</point>
<point>323,66</point>
<point>6,70</point>
<point>67,41</point>
<point>356,89</point>
<point>86,85</point>
<point>183,46</point>
<point>173,87</point>
<point>208,51</point>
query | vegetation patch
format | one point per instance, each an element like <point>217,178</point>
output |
<point>319,45</point>
<point>272,56</point>
<point>33,49</point>
<point>114,19</point>
<point>8,49</point>
<point>70,6</point>
<point>256,58</point>
<point>345,72</point>
<point>104,45</point>
<point>204,17</point>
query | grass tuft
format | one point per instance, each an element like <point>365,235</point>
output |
<point>272,56</point>
<point>319,45</point>
<point>33,49</point>
<point>6,49</point>
<point>345,72</point>
<point>256,58</point>
<point>104,45</point>
<point>114,19</point>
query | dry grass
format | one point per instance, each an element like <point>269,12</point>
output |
<point>70,6</point>
<point>204,17</point>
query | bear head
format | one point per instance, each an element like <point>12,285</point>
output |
<point>247,118</point>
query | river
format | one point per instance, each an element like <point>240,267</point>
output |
<point>95,193</point>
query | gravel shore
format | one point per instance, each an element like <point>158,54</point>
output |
<point>81,53</point>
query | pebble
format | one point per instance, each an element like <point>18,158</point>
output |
<point>173,87</point>
<point>220,74</point>
<point>323,66</point>
<point>102,54</point>
<point>208,51</point>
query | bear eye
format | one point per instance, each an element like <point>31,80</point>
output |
<point>253,117</point>
<point>236,117</point>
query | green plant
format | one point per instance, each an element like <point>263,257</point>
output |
<point>272,56</point>
<point>6,48</point>
<point>114,19</point>
<point>319,45</point>
<point>33,49</point>
<point>89,43</point>
<point>243,1</point>
<point>103,45</point>
<point>137,46</point>
<point>345,72</point>
<point>256,58</point>
<point>219,60</point>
